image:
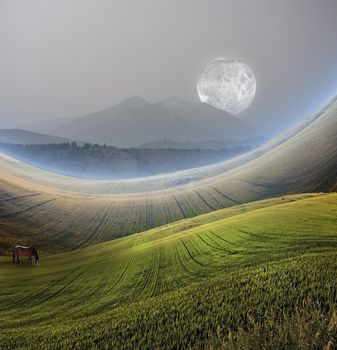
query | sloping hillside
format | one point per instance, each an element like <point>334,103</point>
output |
<point>37,206</point>
<point>221,124</point>
<point>18,136</point>
<point>174,287</point>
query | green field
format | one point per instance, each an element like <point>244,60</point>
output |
<point>261,273</point>
<point>193,259</point>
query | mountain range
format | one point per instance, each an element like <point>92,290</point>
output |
<point>135,121</point>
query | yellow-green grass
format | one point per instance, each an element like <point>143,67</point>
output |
<point>179,285</point>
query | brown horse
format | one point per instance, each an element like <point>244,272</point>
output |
<point>25,251</point>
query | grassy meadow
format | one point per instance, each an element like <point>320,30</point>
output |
<point>258,275</point>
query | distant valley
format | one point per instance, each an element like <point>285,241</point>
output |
<point>98,160</point>
<point>107,162</point>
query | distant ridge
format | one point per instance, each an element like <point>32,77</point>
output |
<point>18,136</point>
<point>135,121</point>
<point>43,127</point>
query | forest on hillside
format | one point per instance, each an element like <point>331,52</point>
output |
<point>107,162</point>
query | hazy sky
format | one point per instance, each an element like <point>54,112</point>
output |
<point>62,59</point>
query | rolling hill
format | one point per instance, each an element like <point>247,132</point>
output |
<point>55,211</point>
<point>44,126</point>
<point>257,273</point>
<point>135,121</point>
<point>18,136</point>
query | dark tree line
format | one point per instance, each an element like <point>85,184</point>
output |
<point>102,161</point>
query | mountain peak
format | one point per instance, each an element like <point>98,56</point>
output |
<point>135,100</point>
<point>136,121</point>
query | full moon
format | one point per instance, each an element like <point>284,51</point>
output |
<point>227,84</point>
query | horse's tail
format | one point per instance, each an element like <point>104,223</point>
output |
<point>37,259</point>
<point>13,255</point>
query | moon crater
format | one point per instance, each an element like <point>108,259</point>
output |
<point>227,84</point>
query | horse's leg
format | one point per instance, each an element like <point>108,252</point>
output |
<point>29,260</point>
<point>18,259</point>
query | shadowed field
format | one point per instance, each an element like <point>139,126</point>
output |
<point>182,284</point>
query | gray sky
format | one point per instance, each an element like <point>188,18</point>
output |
<point>61,58</point>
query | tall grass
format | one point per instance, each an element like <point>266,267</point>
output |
<point>309,327</point>
<point>251,276</point>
